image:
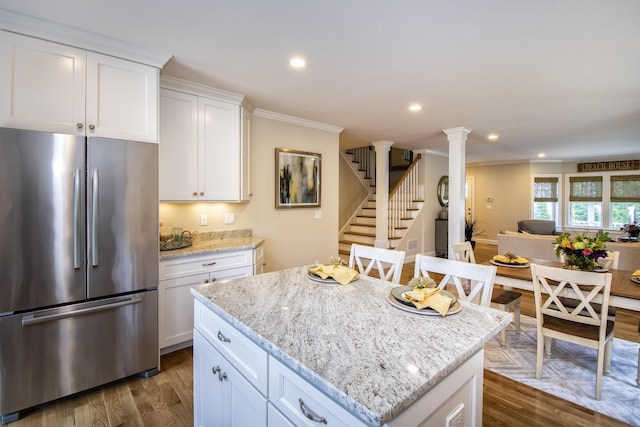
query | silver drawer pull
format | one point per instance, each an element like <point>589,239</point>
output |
<point>310,414</point>
<point>209,263</point>
<point>223,338</point>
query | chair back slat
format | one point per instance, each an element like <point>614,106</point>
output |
<point>463,252</point>
<point>388,262</point>
<point>481,277</point>
<point>590,290</point>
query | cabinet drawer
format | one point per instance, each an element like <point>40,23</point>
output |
<point>295,398</point>
<point>245,355</point>
<point>205,263</point>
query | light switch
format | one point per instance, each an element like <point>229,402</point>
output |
<point>229,218</point>
<point>204,220</point>
<point>318,214</point>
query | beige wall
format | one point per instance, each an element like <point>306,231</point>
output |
<point>352,193</point>
<point>510,187</point>
<point>293,236</point>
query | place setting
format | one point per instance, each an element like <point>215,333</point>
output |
<point>422,296</point>
<point>336,272</point>
<point>635,277</point>
<point>509,260</point>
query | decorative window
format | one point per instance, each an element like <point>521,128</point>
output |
<point>585,201</point>
<point>625,199</point>
<point>545,198</point>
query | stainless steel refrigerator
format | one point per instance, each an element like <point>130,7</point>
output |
<point>78,265</point>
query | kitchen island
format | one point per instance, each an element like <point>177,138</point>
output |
<point>304,345</point>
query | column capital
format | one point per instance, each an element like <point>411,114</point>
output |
<point>382,145</point>
<point>459,132</point>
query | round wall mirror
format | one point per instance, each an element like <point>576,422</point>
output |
<point>443,191</point>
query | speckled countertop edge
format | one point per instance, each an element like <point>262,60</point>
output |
<point>215,242</point>
<point>342,348</point>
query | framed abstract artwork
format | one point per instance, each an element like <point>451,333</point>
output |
<point>297,179</point>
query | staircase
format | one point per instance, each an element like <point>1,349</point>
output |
<point>405,203</point>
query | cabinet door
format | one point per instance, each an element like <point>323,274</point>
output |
<point>178,156</point>
<point>122,99</point>
<point>242,404</point>
<point>207,388</point>
<point>219,150</point>
<point>42,85</point>
<point>176,309</point>
<point>245,156</point>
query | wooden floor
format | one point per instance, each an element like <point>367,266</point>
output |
<point>167,398</point>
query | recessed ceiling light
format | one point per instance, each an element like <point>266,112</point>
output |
<point>415,107</point>
<point>492,137</point>
<point>541,155</point>
<point>297,63</point>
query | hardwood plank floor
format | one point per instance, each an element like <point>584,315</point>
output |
<point>167,398</point>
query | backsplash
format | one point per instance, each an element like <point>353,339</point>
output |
<point>216,235</point>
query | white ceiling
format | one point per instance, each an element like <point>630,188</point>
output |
<point>555,76</point>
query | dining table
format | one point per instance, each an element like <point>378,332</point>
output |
<point>624,292</point>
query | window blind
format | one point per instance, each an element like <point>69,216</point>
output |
<point>545,189</point>
<point>585,189</point>
<point>625,188</point>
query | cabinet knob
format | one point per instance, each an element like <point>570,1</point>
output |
<point>206,281</point>
<point>79,125</point>
<point>222,376</point>
<point>202,193</point>
<point>195,193</point>
<point>215,370</point>
<point>92,127</point>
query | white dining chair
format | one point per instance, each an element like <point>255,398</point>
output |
<point>611,261</point>
<point>388,262</point>
<point>500,299</point>
<point>481,277</point>
<point>585,323</point>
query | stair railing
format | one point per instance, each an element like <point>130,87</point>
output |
<point>366,157</point>
<point>402,197</point>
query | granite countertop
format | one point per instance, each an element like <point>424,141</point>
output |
<point>214,242</point>
<point>348,341</point>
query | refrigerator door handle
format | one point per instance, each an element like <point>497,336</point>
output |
<point>94,218</point>
<point>77,225</point>
<point>32,319</point>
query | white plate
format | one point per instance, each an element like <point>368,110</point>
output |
<point>328,280</point>
<point>502,264</point>
<point>600,270</point>
<point>455,308</point>
<point>635,279</point>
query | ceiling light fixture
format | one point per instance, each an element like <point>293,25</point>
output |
<point>415,107</point>
<point>541,155</point>
<point>297,63</point>
<point>492,137</point>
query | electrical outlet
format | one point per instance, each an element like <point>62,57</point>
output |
<point>229,218</point>
<point>203,219</point>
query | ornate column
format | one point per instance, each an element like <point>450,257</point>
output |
<point>457,179</point>
<point>382,193</point>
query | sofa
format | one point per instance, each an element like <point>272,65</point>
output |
<point>537,226</point>
<point>542,247</point>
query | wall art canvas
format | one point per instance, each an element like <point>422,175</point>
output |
<point>297,179</point>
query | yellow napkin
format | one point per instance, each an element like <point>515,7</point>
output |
<point>636,273</point>
<point>340,273</point>
<point>429,297</point>
<point>507,260</point>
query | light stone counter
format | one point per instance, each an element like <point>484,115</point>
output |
<point>348,341</point>
<point>215,242</point>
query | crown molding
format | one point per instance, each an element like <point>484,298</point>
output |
<point>297,121</point>
<point>87,40</point>
<point>176,83</point>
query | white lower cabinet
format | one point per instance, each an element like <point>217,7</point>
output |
<point>225,397</point>
<point>178,276</point>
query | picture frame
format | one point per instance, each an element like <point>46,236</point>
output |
<point>298,179</point>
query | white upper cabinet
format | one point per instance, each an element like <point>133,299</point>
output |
<point>204,144</point>
<point>53,87</point>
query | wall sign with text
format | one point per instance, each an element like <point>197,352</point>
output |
<point>616,165</point>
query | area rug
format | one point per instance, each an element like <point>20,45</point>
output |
<point>569,373</point>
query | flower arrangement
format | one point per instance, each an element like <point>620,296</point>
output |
<point>633,229</point>
<point>581,252</point>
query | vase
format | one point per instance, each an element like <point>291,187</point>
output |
<point>574,262</point>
